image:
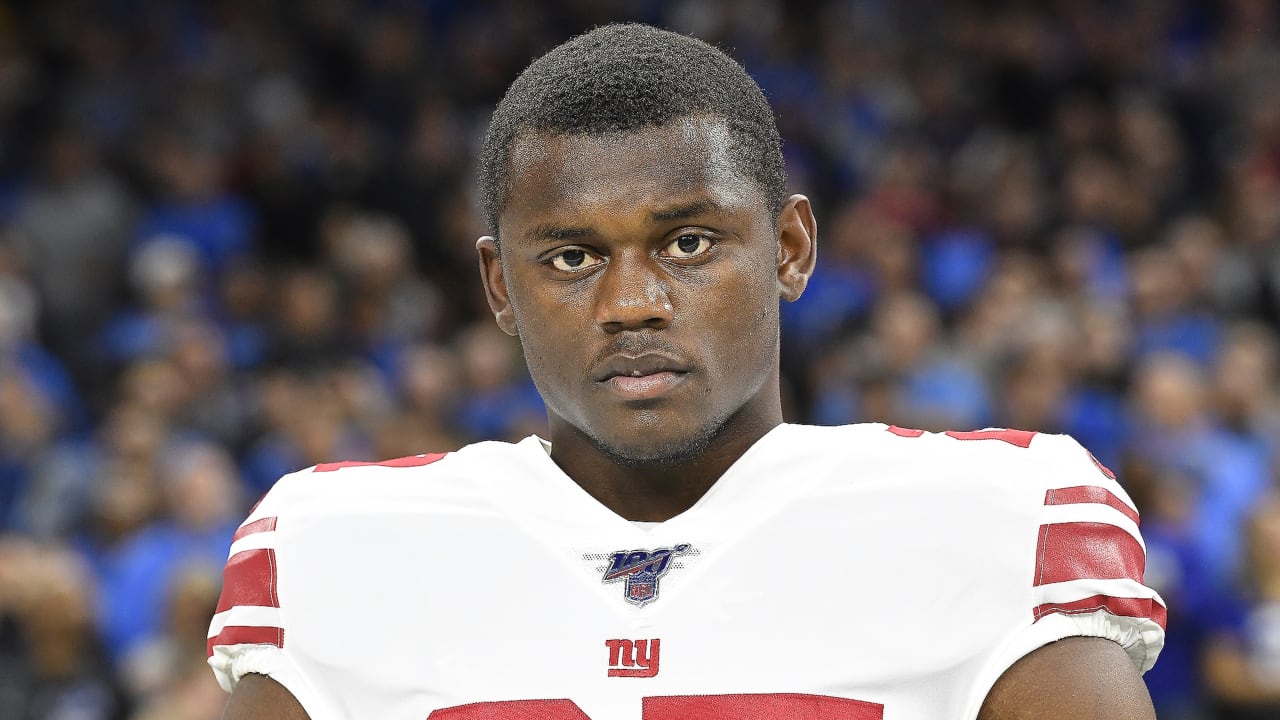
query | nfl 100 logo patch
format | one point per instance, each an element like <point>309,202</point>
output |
<point>641,570</point>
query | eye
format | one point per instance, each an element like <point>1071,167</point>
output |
<point>688,246</point>
<point>573,260</point>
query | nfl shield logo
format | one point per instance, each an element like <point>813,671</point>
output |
<point>640,592</point>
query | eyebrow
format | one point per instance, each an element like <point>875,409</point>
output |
<point>683,212</point>
<point>552,231</point>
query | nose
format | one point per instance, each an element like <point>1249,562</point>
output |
<point>632,296</point>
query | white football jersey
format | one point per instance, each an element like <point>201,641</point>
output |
<point>833,573</point>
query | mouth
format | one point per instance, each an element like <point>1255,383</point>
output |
<point>644,377</point>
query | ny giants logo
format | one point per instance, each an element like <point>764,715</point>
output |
<point>641,569</point>
<point>633,658</point>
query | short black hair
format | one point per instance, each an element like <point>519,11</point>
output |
<point>625,77</point>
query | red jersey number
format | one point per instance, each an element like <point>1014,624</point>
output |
<point>795,706</point>
<point>1021,438</point>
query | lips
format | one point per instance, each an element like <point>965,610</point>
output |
<point>641,377</point>
<point>639,365</point>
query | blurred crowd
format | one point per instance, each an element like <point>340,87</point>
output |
<point>236,239</point>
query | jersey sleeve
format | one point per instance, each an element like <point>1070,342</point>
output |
<point>1087,571</point>
<point>1089,562</point>
<point>249,632</point>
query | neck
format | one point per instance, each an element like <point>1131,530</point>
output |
<point>654,492</point>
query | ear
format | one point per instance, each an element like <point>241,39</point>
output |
<point>495,284</point>
<point>797,247</point>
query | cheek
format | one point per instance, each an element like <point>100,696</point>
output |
<point>546,369</point>
<point>551,335</point>
<point>745,324</point>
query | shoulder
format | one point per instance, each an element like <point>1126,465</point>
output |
<point>291,561</point>
<point>1021,478</point>
<point>987,443</point>
<point>863,436</point>
<point>346,480</point>
<point>1058,533</point>
<point>1034,458</point>
<point>333,495</point>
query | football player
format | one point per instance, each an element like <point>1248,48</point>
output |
<point>673,549</point>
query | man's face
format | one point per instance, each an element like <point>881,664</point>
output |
<point>641,273</point>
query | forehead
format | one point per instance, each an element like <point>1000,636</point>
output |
<point>688,159</point>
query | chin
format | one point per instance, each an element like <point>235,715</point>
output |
<point>675,452</point>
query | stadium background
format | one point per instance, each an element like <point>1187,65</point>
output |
<point>236,239</point>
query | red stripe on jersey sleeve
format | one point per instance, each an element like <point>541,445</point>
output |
<point>1089,494</point>
<point>1125,607</point>
<point>411,461</point>
<point>246,635</point>
<point>266,524</point>
<point>249,579</point>
<point>1087,551</point>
